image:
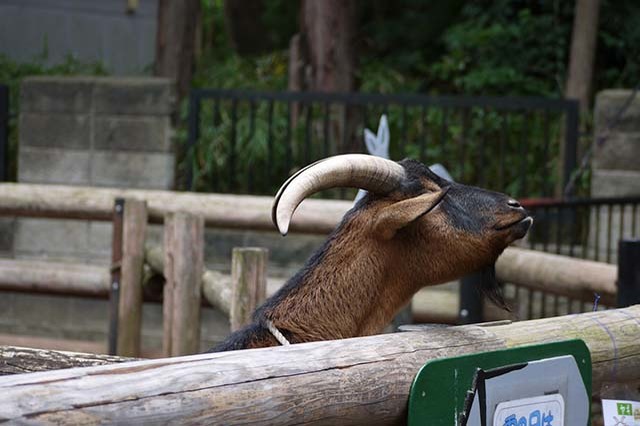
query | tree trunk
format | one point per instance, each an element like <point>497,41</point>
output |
<point>328,27</point>
<point>176,42</point>
<point>583,49</point>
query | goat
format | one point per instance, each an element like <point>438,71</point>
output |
<point>411,230</point>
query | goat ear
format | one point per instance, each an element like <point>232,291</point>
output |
<point>398,215</point>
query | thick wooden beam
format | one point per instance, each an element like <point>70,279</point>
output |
<point>183,266</point>
<point>248,284</point>
<point>130,299</point>
<point>349,381</point>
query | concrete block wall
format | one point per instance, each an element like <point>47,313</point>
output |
<point>113,132</point>
<point>94,131</point>
<point>616,165</point>
<point>616,162</point>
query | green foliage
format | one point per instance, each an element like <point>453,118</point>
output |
<point>12,73</point>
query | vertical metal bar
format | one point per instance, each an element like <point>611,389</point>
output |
<point>443,137</point>
<point>251,162</point>
<point>325,129</point>
<point>543,307</point>
<point>464,136</point>
<point>480,165</point>
<point>403,142</point>
<point>584,228</point>
<point>530,294</point>
<point>288,153</point>
<point>571,142</point>
<point>116,270</point>
<point>501,151</point>
<point>270,164</point>
<point>559,226</point>
<point>609,226</point>
<point>345,132</point>
<point>308,134</point>
<point>545,234</point>
<point>192,137</point>
<point>215,170</point>
<point>232,145</point>
<point>4,133</point>
<point>523,155</point>
<point>628,272</point>
<point>634,213</point>
<point>470,299</point>
<point>597,234</point>
<point>425,130</point>
<point>546,187</point>
<point>555,305</point>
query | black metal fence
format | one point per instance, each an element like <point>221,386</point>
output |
<point>250,142</point>
<point>588,229</point>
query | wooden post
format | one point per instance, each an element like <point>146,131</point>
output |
<point>134,227</point>
<point>183,267</point>
<point>249,283</point>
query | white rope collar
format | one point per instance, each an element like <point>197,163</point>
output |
<point>276,333</point>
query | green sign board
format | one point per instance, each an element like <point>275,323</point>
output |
<point>482,387</point>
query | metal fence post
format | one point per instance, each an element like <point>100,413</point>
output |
<point>572,124</point>
<point>628,272</point>
<point>116,267</point>
<point>470,299</point>
<point>4,133</point>
<point>192,137</point>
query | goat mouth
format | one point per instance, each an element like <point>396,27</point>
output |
<point>528,220</point>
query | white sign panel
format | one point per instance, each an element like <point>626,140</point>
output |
<point>546,410</point>
<point>621,413</point>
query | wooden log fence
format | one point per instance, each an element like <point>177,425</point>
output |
<point>351,381</point>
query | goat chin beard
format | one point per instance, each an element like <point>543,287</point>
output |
<point>491,288</point>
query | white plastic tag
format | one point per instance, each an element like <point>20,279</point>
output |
<point>621,412</point>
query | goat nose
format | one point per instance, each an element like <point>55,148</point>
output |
<point>514,203</point>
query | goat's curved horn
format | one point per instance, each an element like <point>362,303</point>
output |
<point>374,174</point>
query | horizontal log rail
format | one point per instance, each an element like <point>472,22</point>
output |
<point>562,275</point>
<point>218,210</point>
<point>577,279</point>
<point>351,381</point>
